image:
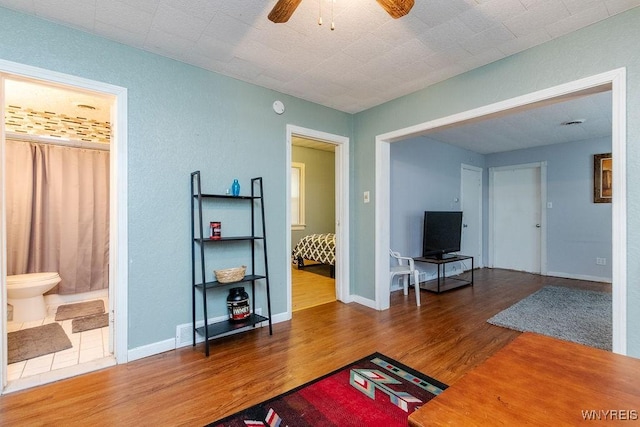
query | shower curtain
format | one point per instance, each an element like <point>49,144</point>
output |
<point>57,202</point>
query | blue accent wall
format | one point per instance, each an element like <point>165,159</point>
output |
<point>425,175</point>
<point>578,230</point>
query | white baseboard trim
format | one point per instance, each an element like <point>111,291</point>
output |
<point>151,349</point>
<point>172,344</point>
<point>580,277</point>
<point>279,318</point>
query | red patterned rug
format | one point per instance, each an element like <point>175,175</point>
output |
<point>374,391</point>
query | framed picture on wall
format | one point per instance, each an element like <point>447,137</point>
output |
<point>602,178</point>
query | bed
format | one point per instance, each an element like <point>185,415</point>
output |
<point>320,248</point>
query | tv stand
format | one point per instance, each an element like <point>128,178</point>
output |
<point>443,283</point>
<point>443,256</point>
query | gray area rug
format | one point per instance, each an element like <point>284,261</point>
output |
<point>34,342</point>
<point>570,314</point>
<point>90,322</point>
<point>81,309</point>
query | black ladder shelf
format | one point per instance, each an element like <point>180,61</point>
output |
<point>211,331</point>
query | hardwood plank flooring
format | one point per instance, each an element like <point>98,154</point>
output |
<point>311,286</point>
<point>444,338</point>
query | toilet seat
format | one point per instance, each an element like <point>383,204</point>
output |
<point>32,277</point>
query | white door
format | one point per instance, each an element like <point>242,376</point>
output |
<point>471,204</point>
<point>517,218</point>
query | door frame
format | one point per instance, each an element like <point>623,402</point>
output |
<point>342,208</point>
<point>542,201</point>
<point>614,80</point>
<point>479,262</point>
<point>118,230</point>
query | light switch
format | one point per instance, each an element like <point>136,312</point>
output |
<point>366,197</point>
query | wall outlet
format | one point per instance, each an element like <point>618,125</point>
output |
<point>601,261</point>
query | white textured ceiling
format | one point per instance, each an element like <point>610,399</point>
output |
<point>57,99</point>
<point>345,69</point>
<point>533,127</point>
<point>303,142</point>
<point>369,59</point>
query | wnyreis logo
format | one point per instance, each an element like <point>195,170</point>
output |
<point>609,414</point>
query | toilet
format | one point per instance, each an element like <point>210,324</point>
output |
<point>25,292</point>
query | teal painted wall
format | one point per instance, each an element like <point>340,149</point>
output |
<point>181,118</point>
<point>596,49</point>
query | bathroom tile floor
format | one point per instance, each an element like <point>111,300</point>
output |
<point>87,346</point>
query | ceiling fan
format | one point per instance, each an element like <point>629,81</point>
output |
<point>283,10</point>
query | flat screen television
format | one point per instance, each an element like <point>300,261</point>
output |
<point>442,233</point>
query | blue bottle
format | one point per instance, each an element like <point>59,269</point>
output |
<point>235,188</point>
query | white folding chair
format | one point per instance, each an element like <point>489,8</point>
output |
<point>406,270</point>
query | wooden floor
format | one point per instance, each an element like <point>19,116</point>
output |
<point>311,286</point>
<point>444,338</point>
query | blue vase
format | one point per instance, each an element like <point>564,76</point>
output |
<point>235,188</point>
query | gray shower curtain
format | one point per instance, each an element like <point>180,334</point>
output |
<point>57,203</point>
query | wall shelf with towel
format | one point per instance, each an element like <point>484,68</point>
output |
<point>200,283</point>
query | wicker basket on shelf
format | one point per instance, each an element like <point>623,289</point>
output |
<point>230,275</point>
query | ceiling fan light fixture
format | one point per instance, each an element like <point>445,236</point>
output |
<point>396,8</point>
<point>283,10</point>
<point>333,25</point>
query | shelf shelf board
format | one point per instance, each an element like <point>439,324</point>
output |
<point>216,284</point>
<point>227,239</point>
<point>219,328</point>
<point>225,196</point>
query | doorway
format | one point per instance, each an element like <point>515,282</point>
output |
<point>615,81</point>
<point>313,223</point>
<point>340,146</point>
<point>115,341</point>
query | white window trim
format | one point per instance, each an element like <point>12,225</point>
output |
<point>301,197</point>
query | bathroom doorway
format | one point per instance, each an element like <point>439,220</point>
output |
<point>63,135</point>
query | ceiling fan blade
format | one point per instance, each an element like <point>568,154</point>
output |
<point>396,8</point>
<point>283,10</point>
